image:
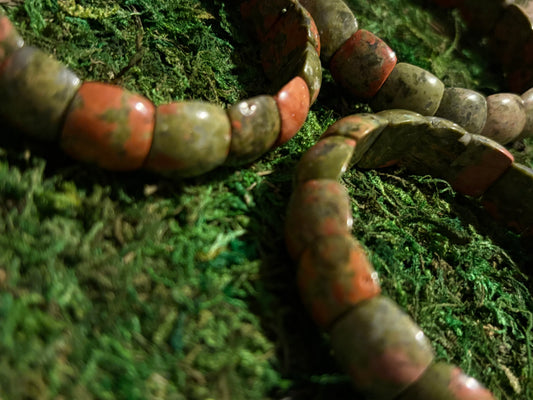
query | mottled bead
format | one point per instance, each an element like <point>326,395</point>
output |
<point>443,381</point>
<point>410,88</point>
<point>36,90</point>
<point>380,347</point>
<point>261,15</point>
<point>362,64</point>
<point>10,40</point>
<point>510,199</point>
<point>293,105</point>
<point>255,126</point>
<point>328,159</point>
<point>527,98</point>
<point>481,15</point>
<point>190,138</point>
<point>506,117</point>
<point>335,22</point>
<point>334,275</point>
<point>464,107</point>
<point>108,126</point>
<point>317,208</point>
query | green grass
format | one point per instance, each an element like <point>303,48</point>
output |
<point>129,286</point>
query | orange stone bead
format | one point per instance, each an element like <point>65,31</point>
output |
<point>109,126</point>
<point>293,104</point>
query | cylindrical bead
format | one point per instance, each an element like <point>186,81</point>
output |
<point>465,107</point>
<point>293,105</point>
<point>10,40</point>
<point>506,117</point>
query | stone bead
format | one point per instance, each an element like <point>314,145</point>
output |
<point>328,159</point>
<point>362,128</point>
<point>293,106</point>
<point>317,208</point>
<point>335,22</point>
<point>10,40</point>
<point>255,127</point>
<point>261,15</point>
<point>527,98</point>
<point>482,15</point>
<point>190,138</point>
<point>410,88</point>
<point>108,126</point>
<point>381,348</point>
<point>443,381</point>
<point>464,107</point>
<point>506,117</point>
<point>36,90</point>
<point>362,64</point>
<point>334,275</point>
<point>510,199</point>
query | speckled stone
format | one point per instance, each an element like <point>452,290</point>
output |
<point>362,64</point>
<point>293,105</point>
<point>409,88</point>
<point>334,275</point>
<point>255,127</point>
<point>108,126</point>
<point>381,349</point>
<point>335,22</point>
<point>506,117</point>
<point>36,90</point>
<point>261,15</point>
<point>527,98</point>
<point>328,159</point>
<point>464,107</point>
<point>510,199</point>
<point>10,40</point>
<point>317,208</point>
<point>443,381</point>
<point>190,138</point>
<point>482,15</point>
<point>362,128</point>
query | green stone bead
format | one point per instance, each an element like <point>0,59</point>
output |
<point>381,348</point>
<point>255,127</point>
<point>335,22</point>
<point>464,107</point>
<point>36,90</point>
<point>190,138</point>
<point>410,88</point>
<point>10,40</point>
<point>506,117</point>
<point>527,98</point>
<point>328,159</point>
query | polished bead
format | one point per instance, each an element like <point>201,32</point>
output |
<point>510,199</point>
<point>443,381</point>
<point>362,128</point>
<point>255,127</point>
<point>527,98</point>
<point>464,107</point>
<point>506,117</point>
<point>362,64</point>
<point>10,40</point>
<point>481,15</point>
<point>190,138</point>
<point>108,126</point>
<point>317,208</point>
<point>335,22</point>
<point>293,105</point>
<point>410,88</point>
<point>261,15</point>
<point>36,90</point>
<point>334,275</point>
<point>380,347</point>
<point>328,159</point>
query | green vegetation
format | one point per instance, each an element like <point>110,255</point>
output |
<point>129,286</point>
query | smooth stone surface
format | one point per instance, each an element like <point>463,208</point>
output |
<point>381,348</point>
<point>316,208</point>
<point>481,15</point>
<point>465,107</point>
<point>334,275</point>
<point>255,127</point>
<point>410,88</point>
<point>36,90</point>
<point>190,138</point>
<point>510,199</point>
<point>293,105</point>
<point>108,126</point>
<point>443,381</point>
<point>527,98</point>
<point>335,22</point>
<point>328,159</point>
<point>10,40</point>
<point>506,117</point>
<point>362,64</point>
<point>364,129</point>
<point>261,15</point>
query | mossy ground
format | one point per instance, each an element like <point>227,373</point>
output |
<point>128,286</point>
